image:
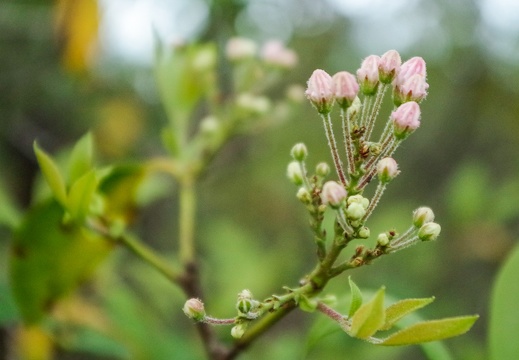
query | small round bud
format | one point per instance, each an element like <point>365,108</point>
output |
<point>238,331</point>
<point>406,119</point>
<point>294,173</point>
<point>354,109</point>
<point>413,89</point>
<point>333,194</point>
<point>320,91</point>
<point>253,103</point>
<point>238,48</point>
<point>422,215</point>
<point>355,211</point>
<point>363,232</point>
<point>415,65</point>
<point>346,88</point>
<point>304,195</point>
<point>382,239</point>
<point>274,52</point>
<point>194,309</point>
<point>389,66</point>
<point>299,152</point>
<point>368,75</point>
<point>322,169</point>
<point>429,231</point>
<point>387,169</point>
<point>359,199</point>
<point>245,302</point>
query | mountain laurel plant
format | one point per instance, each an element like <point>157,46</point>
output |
<point>65,236</point>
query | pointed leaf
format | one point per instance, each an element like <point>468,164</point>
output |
<point>81,195</point>
<point>51,174</point>
<point>431,331</point>
<point>81,158</point>
<point>356,297</point>
<point>402,308</point>
<point>306,304</point>
<point>369,317</point>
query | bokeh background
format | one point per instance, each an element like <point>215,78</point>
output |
<point>69,66</point>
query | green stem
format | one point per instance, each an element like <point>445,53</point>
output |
<point>333,148</point>
<point>187,199</point>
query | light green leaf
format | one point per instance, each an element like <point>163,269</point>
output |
<point>356,297</point>
<point>81,158</point>
<point>81,194</point>
<point>402,308</point>
<point>306,304</point>
<point>52,175</point>
<point>10,215</point>
<point>504,318</point>
<point>369,317</point>
<point>431,331</point>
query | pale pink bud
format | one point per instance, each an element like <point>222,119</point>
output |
<point>320,91</point>
<point>387,169</point>
<point>238,48</point>
<point>274,52</point>
<point>333,194</point>
<point>411,67</point>
<point>368,74</point>
<point>406,119</point>
<point>346,88</point>
<point>194,309</point>
<point>389,66</point>
<point>413,89</point>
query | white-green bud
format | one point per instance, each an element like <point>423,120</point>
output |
<point>364,232</point>
<point>299,152</point>
<point>194,309</point>
<point>429,231</point>
<point>359,199</point>
<point>333,194</point>
<point>238,331</point>
<point>354,109</point>
<point>253,103</point>
<point>422,215</point>
<point>355,211</point>
<point>294,173</point>
<point>304,195</point>
<point>382,239</point>
<point>209,125</point>
<point>245,303</point>
<point>322,169</point>
<point>387,169</point>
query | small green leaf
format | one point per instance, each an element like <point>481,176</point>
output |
<point>81,158</point>
<point>403,307</point>
<point>306,304</point>
<point>356,297</point>
<point>369,317</point>
<point>81,194</point>
<point>51,174</point>
<point>431,331</point>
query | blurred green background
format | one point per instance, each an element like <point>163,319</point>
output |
<point>69,66</point>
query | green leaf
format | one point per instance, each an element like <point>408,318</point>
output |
<point>356,297</point>
<point>52,175</point>
<point>432,330</point>
<point>81,158</point>
<point>306,304</point>
<point>504,319</point>
<point>81,194</point>
<point>402,308</point>
<point>369,317</point>
<point>10,215</point>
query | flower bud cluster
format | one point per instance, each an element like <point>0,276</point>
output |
<point>273,52</point>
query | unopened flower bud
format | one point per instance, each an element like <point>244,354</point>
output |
<point>355,211</point>
<point>294,173</point>
<point>299,152</point>
<point>253,103</point>
<point>406,119</point>
<point>304,195</point>
<point>346,88</point>
<point>364,232</point>
<point>194,309</point>
<point>238,331</point>
<point>238,48</point>
<point>389,66</point>
<point>387,169</point>
<point>413,89</point>
<point>422,215</point>
<point>320,91</point>
<point>382,239</point>
<point>245,303</point>
<point>354,109</point>
<point>333,194</point>
<point>368,75</point>
<point>415,65</point>
<point>429,231</point>
<point>359,199</point>
<point>275,53</point>
<point>322,169</point>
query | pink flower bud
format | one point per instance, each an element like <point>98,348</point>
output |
<point>194,309</point>
<point>411,67</point>
<point>413,89</point>
<point>240,48</point>
<point>320,91</point>
<point>406,119</point>
<point>346,88</point>
<point>333,194</point>
<point>389,66</point>
<point>387,169</point>
<point>368,74</point>
<point>274,52</point>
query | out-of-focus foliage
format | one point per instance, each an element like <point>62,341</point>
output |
<point>462,162</point>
